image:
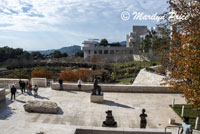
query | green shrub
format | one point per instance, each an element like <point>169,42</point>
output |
<point>150,69</point>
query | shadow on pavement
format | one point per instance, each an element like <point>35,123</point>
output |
<point>41,97</point>
<point>20,101</point>
<point>112,103</point>
<point>5,110</point>
<point>60,112</point>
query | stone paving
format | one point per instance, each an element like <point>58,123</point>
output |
<point>76,108</point>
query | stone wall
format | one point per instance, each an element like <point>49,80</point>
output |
<point>2,94</point>
<point>105,130</point>
<point>114,88</point>
<point>5,82</point>
<point>145,77</point>
<point>40,82</point>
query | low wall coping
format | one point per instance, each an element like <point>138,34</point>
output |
<point>120,130</point>
<point>90,84</point>
<point>11,79</point>
<point>39,78</point>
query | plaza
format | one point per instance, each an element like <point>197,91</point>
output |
<point>76,111</point>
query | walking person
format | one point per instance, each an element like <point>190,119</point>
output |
<point>143,121</point>
<point>13,92</point>
<point>35,90</point>
<point>20,85</point>
<point>186,126</point>
<point>79,84</point>
<point>29,88</point>
<point>23,86</point>
<point>61,83</point>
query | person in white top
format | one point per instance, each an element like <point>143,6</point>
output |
<point>79,84</point>
<point>186,126</point>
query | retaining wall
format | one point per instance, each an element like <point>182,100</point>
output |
<point>114,88</point>
<point>4,82</point>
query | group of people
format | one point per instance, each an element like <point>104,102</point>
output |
<point>31,88</point>
<point>23,87</point>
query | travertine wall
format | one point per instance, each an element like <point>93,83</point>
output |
<point>4,82</point>
<point>2,94</point>
<point>145,77</point>
<point>114,88</point>
<point>105,130</point>
<point>40,82</point>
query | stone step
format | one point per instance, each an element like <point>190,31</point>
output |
<point>23,127</point>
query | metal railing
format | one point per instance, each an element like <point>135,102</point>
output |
<point>178,132</point>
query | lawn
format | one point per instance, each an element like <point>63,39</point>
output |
<point>125,80</point>
<point>126,71</point>
<point>189,112</point>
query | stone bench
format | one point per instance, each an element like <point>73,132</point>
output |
<point>41,107</point>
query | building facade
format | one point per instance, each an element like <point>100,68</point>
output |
<point>92,46</point>
<point>133,39</point>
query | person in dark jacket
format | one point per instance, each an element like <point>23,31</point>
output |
<point>35,90</point>
<point>61,83</point>
<point>13,92</point>
<point>23,86</point>
<point>20,85</point>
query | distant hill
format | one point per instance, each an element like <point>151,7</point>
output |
<point>71,50</point>
<point>123,42</point>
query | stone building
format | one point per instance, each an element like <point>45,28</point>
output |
<point>133,39</point>
<point>92,47</point>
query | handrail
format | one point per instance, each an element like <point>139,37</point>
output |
<point>171,127</point>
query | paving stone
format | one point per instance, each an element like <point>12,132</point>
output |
<point>76,109</point>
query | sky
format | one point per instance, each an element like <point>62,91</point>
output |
<point>52,24</point>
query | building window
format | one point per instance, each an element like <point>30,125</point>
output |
<point>100,51</point>
<point>95,52</point>
<point>117,52</point>
<point>89,52</point>
<point>130,52</point>
<point>112,52</point>
<point>105,51</point>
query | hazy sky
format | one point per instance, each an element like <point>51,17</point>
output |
<point>48,24</point>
